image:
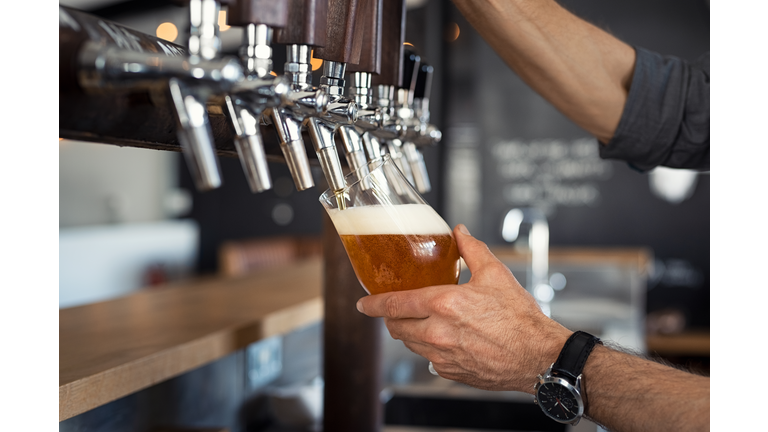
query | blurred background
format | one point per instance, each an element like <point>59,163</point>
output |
<point>136,213</point>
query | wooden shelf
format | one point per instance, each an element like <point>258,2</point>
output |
<point>111,349</point>
<point>640,258</point>
<point>695,344</point>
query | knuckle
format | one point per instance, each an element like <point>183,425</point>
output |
<point>392,306</point>
<point>448,303</point>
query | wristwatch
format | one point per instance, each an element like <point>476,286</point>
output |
<point>559,390</point>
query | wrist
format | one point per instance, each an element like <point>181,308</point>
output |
<point>552,342</point>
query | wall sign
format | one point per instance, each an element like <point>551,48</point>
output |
<point>548,173</point>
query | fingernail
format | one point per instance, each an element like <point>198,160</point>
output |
<point>360,306</point>
<point>464,229</point>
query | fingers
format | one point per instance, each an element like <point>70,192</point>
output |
<point>474,252</point>
<point>400,304</point>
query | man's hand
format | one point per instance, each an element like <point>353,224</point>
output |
<point>488,333</point>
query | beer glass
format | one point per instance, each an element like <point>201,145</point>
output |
<point>394,239</point>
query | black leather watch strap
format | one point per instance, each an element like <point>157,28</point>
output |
<point>574,355</point>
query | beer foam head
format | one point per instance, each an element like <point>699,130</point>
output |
<point>396,219</point>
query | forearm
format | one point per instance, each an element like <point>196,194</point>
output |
<point>582,70</point>
<point>628,393</point>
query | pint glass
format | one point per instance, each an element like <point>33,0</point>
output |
<point>394,239</point>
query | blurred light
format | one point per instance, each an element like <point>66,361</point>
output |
<point>167,31</point>
<point>223,21</point>
<point>282,214</point>
<point>452,32</point>
<point>316,63</point>
<point>544,293</point>
<point>673,185</point>
<point>510,229</point>
<point>407,44</point>
<point>273,73</point>
<point>557,281</point>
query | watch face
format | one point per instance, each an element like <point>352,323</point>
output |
<point>559,402</point>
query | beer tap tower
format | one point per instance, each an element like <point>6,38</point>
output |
<point>259,18</point>
<point>321,126</point>
<point>119,86</point>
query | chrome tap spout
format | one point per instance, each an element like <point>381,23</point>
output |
<point>538,244</point>
<point>194,133</point>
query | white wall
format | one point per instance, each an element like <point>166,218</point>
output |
<point>118,217</point>
<point>103,184</point>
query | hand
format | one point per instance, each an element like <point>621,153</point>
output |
<point>488,333</point>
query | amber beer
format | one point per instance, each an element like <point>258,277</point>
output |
<point>400,247</point>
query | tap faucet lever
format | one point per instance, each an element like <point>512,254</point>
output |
<point>189,100</point>
<point>341,47</point>
<point>416,166</point>
<point>258,92</point>
<point>194,133</point>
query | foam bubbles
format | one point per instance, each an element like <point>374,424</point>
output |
<point>397,219</point>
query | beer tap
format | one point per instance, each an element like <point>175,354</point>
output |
<point>411,121</point>
<point>245,104</point>
<point>424,133</point>
<point>428,134</point>
<point>307,29</point>
<point>189,98</point>
<point>369,116</point>
<point>340,48</point>
<point>386,83</point>
<point>403,114</point>
<point>186,79</point>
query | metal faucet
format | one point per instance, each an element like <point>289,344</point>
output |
<point>322,127</point>
<point>538,243</point>
<point>386,138</point>
<point>246,103</point>
<point>410,158</point>
<point>389,128</point>
<point>369,118</point>
<point>189,99</point>
<point>421,133</point>
<point>185,79</point>
<point>302,101</point>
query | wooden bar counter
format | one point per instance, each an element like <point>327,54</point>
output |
<point>111,349</point>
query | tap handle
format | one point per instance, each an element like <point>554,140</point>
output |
<point>341,45</point>
<point>392,38</point>
<point>368,30</point>
<point>308,20</point>
<point>423,81</point>
<point>411,63</point>
<point>273,13</point>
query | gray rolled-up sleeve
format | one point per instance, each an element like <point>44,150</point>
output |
<point>666,117</point>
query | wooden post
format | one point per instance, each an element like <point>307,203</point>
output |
<point>352,347</point>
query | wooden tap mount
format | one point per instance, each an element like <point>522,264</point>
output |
<point>368,31</point>
<point>307,20</point>
<point>392,39</point>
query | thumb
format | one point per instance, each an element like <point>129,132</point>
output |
<point>475,253</point>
